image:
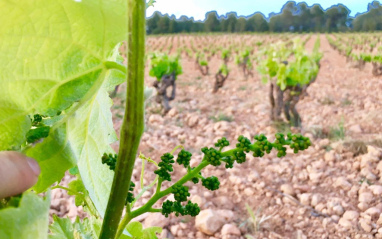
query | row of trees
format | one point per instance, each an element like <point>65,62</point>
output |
<point>295,17</point>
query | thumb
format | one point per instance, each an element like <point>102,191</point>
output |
<point>17,173</point>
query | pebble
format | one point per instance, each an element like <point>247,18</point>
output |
<point>338,210</point>
<point>376,189</point>
<point>373,212</point>
<point>305,199</point>
<point>345,223</point>
<point>209,221</point>
<point>249,191</point>
<point>287,189</point>
<point>365,197</point>
<point>351,215</point>
<point>156,220</point>
<point>342,183</point>
<point>365,225</point>
<point>316,199</point>
<point>230,229</point>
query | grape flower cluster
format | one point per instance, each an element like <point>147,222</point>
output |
<point>212,156</point>
<point>110,160</point>
<point>165,167</point>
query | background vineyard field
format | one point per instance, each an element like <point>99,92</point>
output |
<point>331,190</point>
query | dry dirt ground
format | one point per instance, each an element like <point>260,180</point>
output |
<point>331,190</point>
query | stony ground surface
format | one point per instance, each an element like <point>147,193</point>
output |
<point>331,190</point>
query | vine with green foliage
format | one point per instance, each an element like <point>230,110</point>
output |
<point>223,72</point>
<point>243,60</point>
<point>290,70</point>
<point>201,63</point>
<point>166,70</point>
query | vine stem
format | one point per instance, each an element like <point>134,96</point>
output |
<point>158,195</point>
<point>133,121</point>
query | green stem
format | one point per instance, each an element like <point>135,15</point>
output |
<point>158,195</point>
<point>142,173</point>
<point>69,190</point>
<point>133,122</point>
<point>159,185</point>
<point>88,202</point>
<point>177,147</point>
<point>154,210</point>
<point>143,191</point>
<point>115,65</point>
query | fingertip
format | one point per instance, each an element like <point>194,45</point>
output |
<point>17,173</point>
<point>34,166</point>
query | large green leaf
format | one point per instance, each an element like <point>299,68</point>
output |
<point>29,220</point>
<point>52,55</point>
<point>90,132</point>
<point>84,138</point>
<point>53,59</point>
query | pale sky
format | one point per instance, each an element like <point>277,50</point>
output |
<point>198,8</point>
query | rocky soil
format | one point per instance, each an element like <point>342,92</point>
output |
<point>331,190</point>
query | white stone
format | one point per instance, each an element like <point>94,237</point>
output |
<point>249,192</point>
<point>155,119</point>
<point>373,212</point>
<point>198,200</point>
<point>351,215</point>
<point>365,197</point>
<point>208,221</point>
<point>287,189</point>
<point>316,199</point>
<point>362,206</point>
<point>376,189</point>
<point>193,121</point>
<point>365,225</point>
<point>156,220</point>
<point>174,229</point>
<point>345,223</point>
<point>379,222</point>
<point>173,112</point>
<point>342,183</point>
<point>230,229</point>
<point>329,156</point>
<point>305,199</point>
<point>338,210</point>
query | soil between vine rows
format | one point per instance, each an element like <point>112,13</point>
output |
<point>333,177</point>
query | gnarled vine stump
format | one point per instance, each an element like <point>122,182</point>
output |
<point>377,69</point>
<point>243,65</point>
<point>286,101</point>
<point>162,86</point>
<point>203,69</point>
<point>219,81</point>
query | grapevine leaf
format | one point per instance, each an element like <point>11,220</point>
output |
<point>151,232</point>
<point>29,220</point>
<point>49,61</point>
<point>78,187</point>
<point>54,156</point>
<point>62,228</point>
<point>13,125</point>
<point>114,77</point>
<point>135,230</point>
<point>90,133</point>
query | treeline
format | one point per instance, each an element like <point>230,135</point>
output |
<point>294,17</point>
